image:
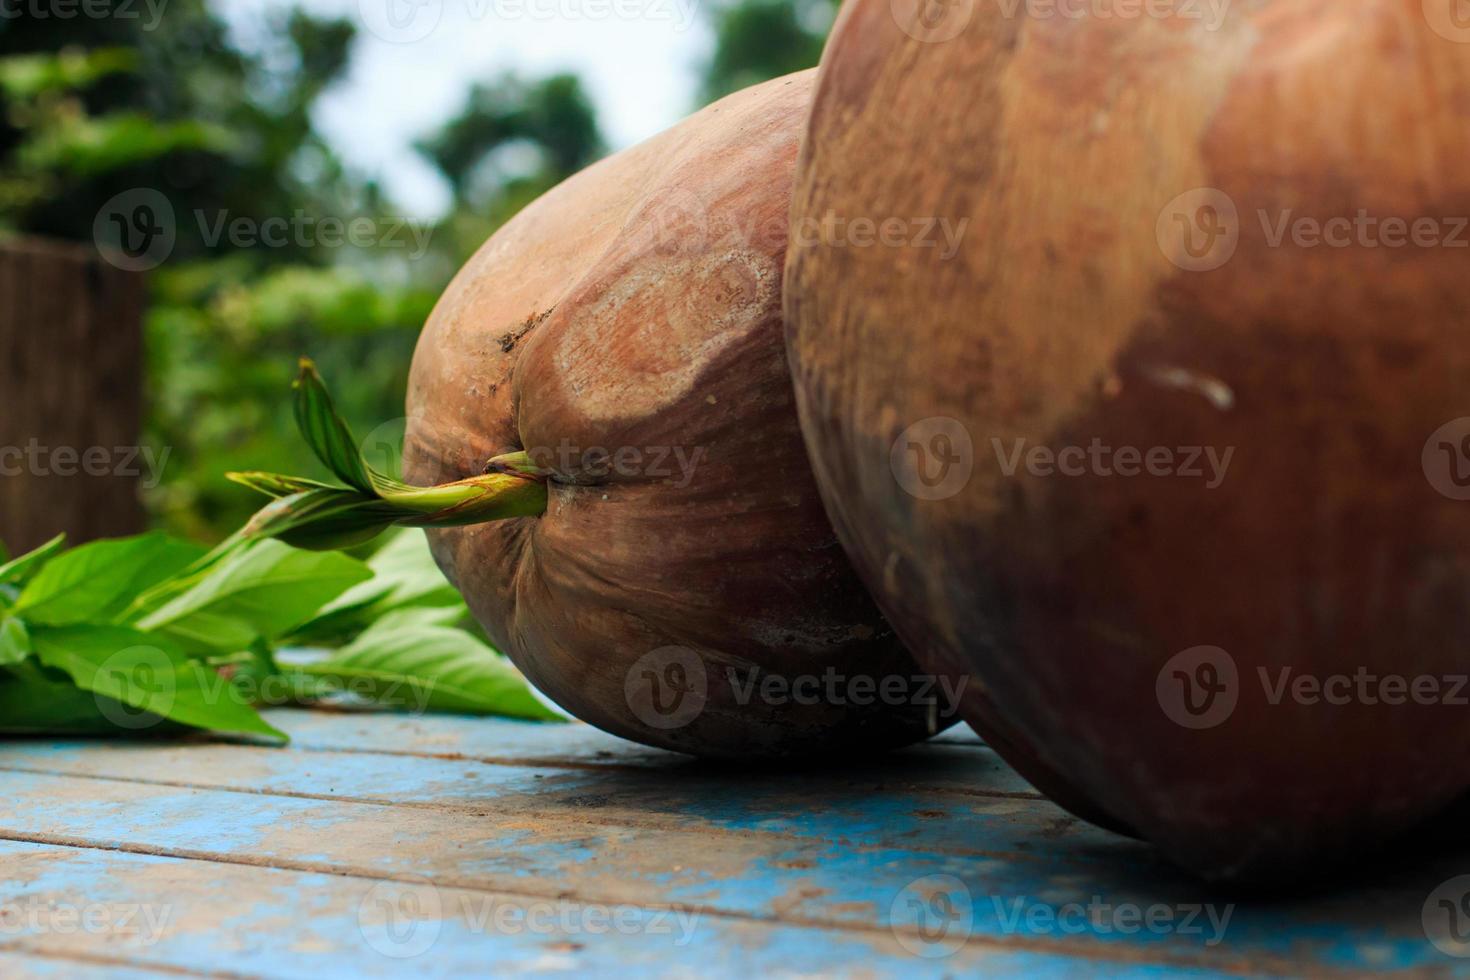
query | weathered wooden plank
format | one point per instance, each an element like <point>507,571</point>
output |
<point>859,807</point>
<point>1056,902</point>
<point>71,370</point>
<point>194,915</point>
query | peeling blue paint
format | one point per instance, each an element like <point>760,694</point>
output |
<point>837,872</point>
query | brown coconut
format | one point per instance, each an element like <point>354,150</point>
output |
<point>1087,607</point>
<point>625,330</point>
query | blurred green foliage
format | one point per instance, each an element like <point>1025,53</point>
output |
<point>760,39</point>
<point>95,106</point>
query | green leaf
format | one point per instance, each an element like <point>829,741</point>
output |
<point>21,569</point>
<point>418,616</point>
<point>28,76</point>
<point>320,517</point>
<point>261,591</point>
<point>260,679</point>
<point>408,567</point>
<point>158,595</point>
<point>431,668</point>
<point>97,581</point>
<point>15,641</point>
<point>323,520</point>
<point>147,673</point>
<point>405,576</point>
<point>275,484</point>
<point>84,146</point>
<point>327,433</point>
<point>340,628</point>
<point>38,701</point>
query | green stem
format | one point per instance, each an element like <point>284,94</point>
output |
<point>320,516</point>
<point>491,497</point>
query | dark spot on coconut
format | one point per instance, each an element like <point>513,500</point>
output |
<point>509,340</point>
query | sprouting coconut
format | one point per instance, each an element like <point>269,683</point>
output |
<point>601,403</point>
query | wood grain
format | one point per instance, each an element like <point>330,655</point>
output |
<point>284,862</point>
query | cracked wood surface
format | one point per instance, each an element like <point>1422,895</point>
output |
<point>386,845</point>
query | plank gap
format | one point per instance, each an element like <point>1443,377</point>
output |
<point>21,947</point>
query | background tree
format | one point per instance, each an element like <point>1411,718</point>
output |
<point>511,142</point>
<point>760,39</point>
<point>95,106</point>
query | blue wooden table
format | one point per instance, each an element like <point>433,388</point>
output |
<point>379,845</point>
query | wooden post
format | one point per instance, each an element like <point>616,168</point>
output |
<point>71,386</point>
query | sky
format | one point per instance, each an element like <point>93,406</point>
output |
<point>414,60</point>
